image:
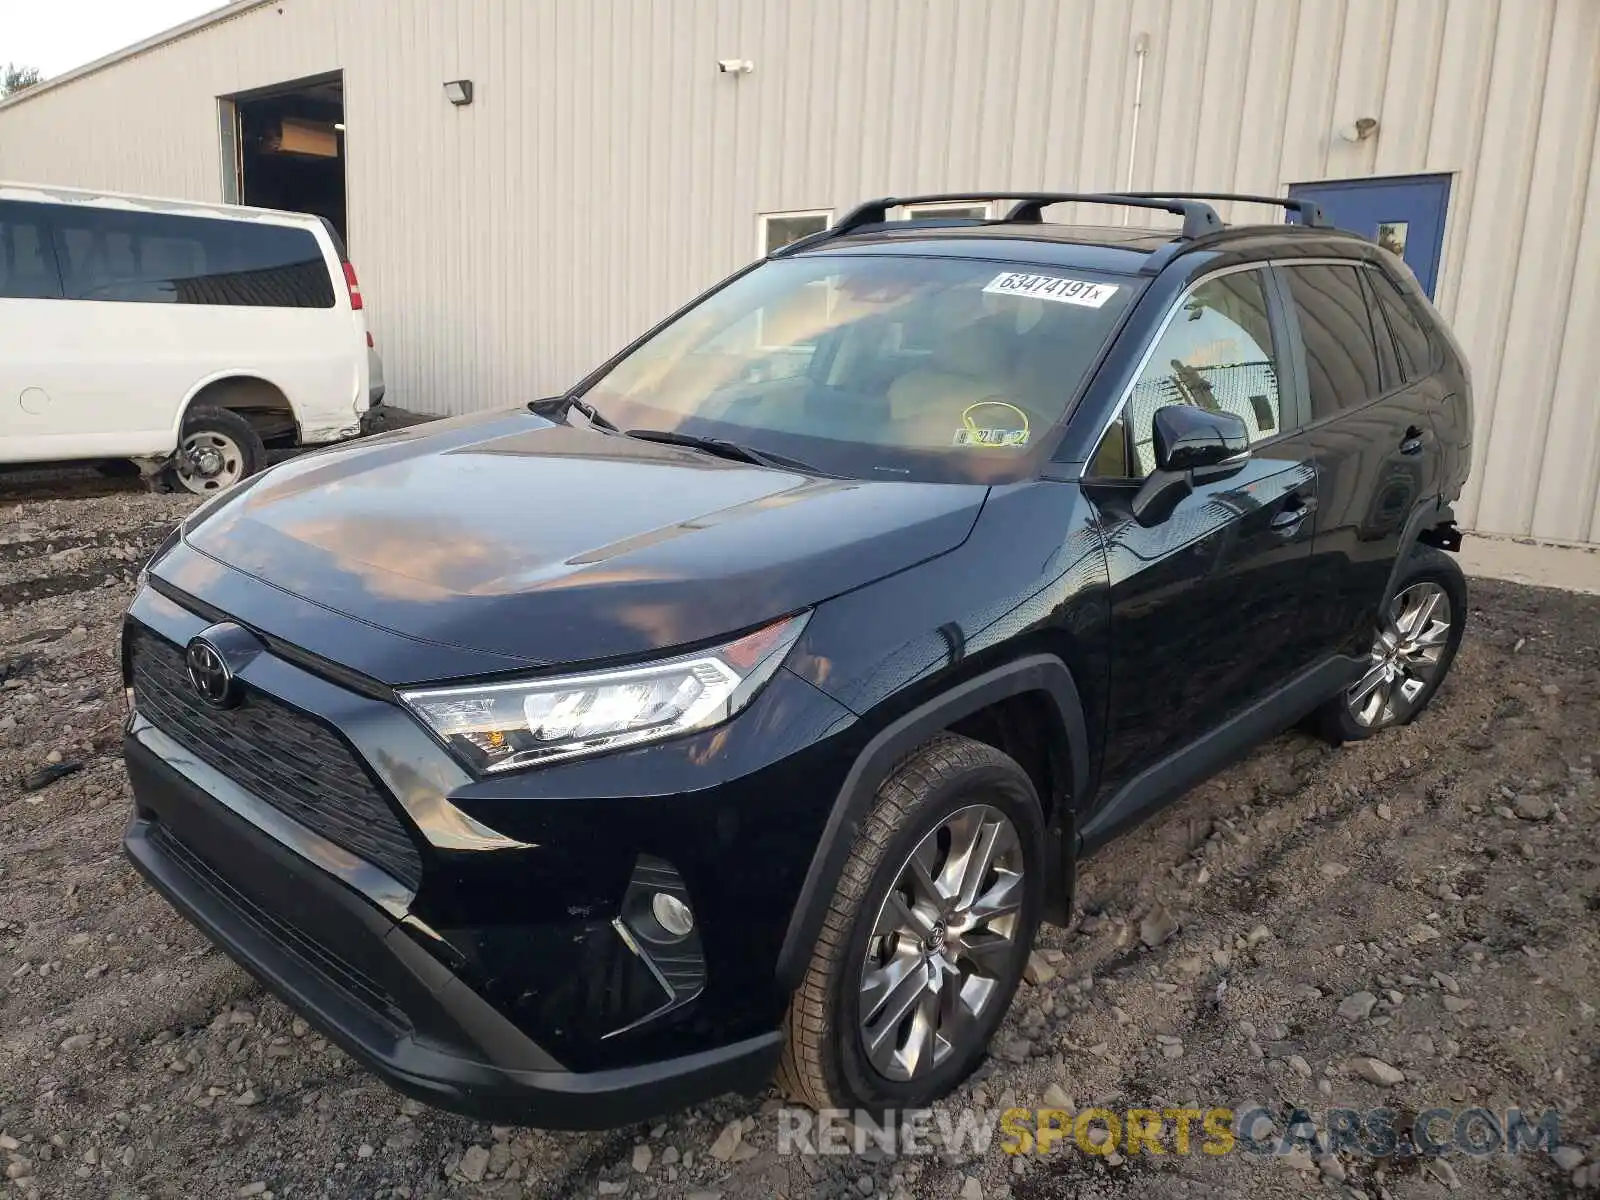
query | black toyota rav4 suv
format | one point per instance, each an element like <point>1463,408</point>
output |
<point>742,712</point>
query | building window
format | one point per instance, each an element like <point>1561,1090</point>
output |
<point>777,230</point>
<point>950,212</point>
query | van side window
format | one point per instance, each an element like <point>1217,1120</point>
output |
<point>1336,327</point>
<point>1410,338</point>
<point>27,267</point>
<point>160,258</point>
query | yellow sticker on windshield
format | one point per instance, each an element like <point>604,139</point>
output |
<point>973,434</point>
<point>990,437</point>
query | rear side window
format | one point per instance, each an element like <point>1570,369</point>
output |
<point>1410,338</point>
<point>1336,327</point>
<point>27,266</point>
<point>160,258</point>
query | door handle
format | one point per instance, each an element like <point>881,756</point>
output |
<point>1413,441</point>
<point>1296,510</point>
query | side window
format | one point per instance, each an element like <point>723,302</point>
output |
<point>156,258</point>
<point>1336,326</point>
<point>27,266</point>
<point>1215,353</point>
<point>1410,338</point>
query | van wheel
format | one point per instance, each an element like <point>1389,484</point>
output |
<point>1414,645</point>
<point>925,939</point>
<point>218,449</point>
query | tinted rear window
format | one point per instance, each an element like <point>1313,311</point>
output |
<point>157,258</point>
<point>27,268</point>
<point>1336,327</point>
<point>1410,338</point>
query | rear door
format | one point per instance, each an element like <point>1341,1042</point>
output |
<point>1374,443</point>
<point>1205,604</point>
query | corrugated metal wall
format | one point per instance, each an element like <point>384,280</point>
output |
<point>607,171</point>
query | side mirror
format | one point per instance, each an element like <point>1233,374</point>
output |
<point>1187,438</point>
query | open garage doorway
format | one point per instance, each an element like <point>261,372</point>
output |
<point>284,148</point>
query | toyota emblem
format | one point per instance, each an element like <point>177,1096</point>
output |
<point>210,674</point>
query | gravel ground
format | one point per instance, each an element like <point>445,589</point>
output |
<point>1428,900</point>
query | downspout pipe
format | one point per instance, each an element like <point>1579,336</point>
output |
<point>1141,50</point>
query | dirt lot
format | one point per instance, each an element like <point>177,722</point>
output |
<point>1449,871</point>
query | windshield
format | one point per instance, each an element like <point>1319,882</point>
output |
<point>872,366</point>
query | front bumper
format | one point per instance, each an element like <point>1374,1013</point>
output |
<point>466,938</point>
<point>367,982</point>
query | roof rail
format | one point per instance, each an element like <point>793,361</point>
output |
<point>1309,211</point>
<point>1198,218</point>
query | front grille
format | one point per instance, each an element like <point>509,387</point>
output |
<point>360,987</point>
<point>279,754</point>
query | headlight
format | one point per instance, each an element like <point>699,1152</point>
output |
<point>495,727</point>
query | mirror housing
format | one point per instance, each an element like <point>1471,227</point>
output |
<point>1187,438</point>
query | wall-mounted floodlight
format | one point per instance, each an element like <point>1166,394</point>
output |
<point>458,92</point>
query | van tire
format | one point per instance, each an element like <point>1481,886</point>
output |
<point>228,450</point>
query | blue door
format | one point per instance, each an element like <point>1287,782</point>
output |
<point>1402,213</point>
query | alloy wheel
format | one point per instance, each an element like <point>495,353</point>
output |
<point>1405,657</point>
<point>209,462</point>
<point>941,943</point>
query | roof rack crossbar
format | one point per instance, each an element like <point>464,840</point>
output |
<point>1198,218</point>
<point>1309,211</point>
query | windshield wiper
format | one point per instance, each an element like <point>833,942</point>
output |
<point>557,406</point>
<point>726,449</point>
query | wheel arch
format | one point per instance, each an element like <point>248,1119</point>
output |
<point>238,390</point>
<point>1430,523</point>
<point>1042,675</point>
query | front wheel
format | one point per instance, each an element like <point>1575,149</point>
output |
<point>926,938</point>
<point>1414,645</point>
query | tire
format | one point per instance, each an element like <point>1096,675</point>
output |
<point>1415,656</point>
<point>216,450</point>
<point>971,786</point>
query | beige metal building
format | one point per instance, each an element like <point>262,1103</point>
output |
<point>607,167</point>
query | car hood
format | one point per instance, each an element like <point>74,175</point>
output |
<point>541,543</point>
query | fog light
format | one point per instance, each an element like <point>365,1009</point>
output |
<point>657,925</point>
<point>672,914</point>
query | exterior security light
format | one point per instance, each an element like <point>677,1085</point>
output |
<point>458,92</point>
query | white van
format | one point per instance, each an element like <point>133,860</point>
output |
<point>182,336</point>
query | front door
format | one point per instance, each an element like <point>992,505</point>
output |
<point>1404,214</point>
<point>1204,604</point>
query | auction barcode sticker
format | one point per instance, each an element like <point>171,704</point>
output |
<point>1051,287</point>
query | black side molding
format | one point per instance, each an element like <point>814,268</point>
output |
<point>1036,673</point>
<point>1182,769</point>
<point>1423,517</point>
